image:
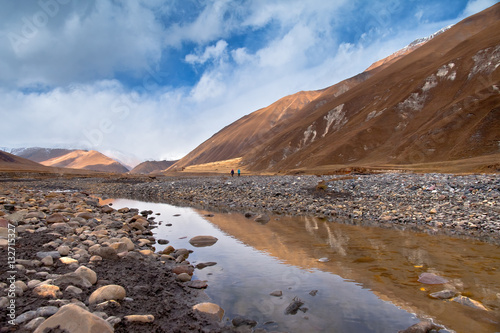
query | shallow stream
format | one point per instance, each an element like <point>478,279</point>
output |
<point>366,280</point>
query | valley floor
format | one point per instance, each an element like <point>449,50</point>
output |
<point>460,205</point>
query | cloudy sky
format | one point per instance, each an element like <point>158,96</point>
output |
<point>155,78</point>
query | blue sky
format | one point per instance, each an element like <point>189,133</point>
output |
<point>154,79</point>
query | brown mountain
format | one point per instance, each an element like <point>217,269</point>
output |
<point>87,160</point>
<point>39,154</point>
<point>149,167</point>
<point>9,162</point>
<point>437,105</point>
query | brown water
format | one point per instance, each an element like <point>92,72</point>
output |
<point>369,283</point>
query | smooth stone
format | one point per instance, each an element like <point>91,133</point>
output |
<point>211,309</point>
<point>443,294</point>
<point>163,241</point>
<point>75,319</point>
<point>140,318</point>
<point>107,293</point>
<point>63,250</point>
<point>34,323</point>
<point>430,278</point>
<point>68,261</point>
<point>119,247</point>
<point>53,254</point>
<point>184,277</point>
<point>20,284</point>
<point>197,284</point>
<point>128,242</point>
<point>47,291</point>
<point>470,302</point>
<point>73,290</point>
<point>87,273</point>
<point>48,261</point>
<point>74,280</point>
<point>242,321</point>
<point>262,218</point>
<point>56,218</point>
<point>202,265</point>
<point>277,293</point>
<point>202,241</point>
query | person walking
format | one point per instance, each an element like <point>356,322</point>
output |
<point>232,172</point>
<point>239,172</point>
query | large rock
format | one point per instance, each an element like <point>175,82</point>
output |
<point>211,309</point>
<point>74,319</point>
<point>201,241</point>
<point>107,293</point>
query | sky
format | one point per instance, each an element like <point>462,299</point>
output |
<point>152,79</point>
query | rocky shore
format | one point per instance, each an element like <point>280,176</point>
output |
<point>462,205</point>
<point>72,265</point>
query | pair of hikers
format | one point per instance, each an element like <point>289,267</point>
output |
<point>232,172</point>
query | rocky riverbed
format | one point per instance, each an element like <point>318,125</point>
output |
<point>78,259</point>
<point>462,205</point>
<point>72,265</point>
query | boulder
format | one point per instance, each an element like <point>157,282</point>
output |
<point>107,293</point>
<point>74,319</point>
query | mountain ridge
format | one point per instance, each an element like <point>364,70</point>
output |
<point>438,102</point>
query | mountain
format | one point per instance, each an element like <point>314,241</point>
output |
<point>149,167</point>
<point>38,154</point>
<point>88,160</point>
<point>437,103</point>
<point>10,162</point>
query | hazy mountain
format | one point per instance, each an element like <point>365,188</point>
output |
<point>38,154</point>
<point>437,101</point>
<point>88,160</point>
<point>12,162</point>
<point>149,167</point>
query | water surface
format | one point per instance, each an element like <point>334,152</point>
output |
<point>368,284</point>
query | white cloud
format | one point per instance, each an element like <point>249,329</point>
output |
<point>211,52</point>
<point>78,43</point>
<point>475,6</point>
<point>75,57</point>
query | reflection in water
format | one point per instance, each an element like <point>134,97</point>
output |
<point>368,285</point>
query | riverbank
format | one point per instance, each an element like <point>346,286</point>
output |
<point>75,262</point>
<point>459,205</point>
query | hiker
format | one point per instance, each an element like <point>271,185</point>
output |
<point>239,172</point>
<point>232,172</point>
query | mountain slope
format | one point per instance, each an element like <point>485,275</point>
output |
<point>88,160</point>
<point>148,167</point>
<point>9,162</point>
<point>38,154</point>
<point>440,102</point>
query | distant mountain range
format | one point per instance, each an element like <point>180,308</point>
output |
<point>435,102</point>
<point>70,158</point>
